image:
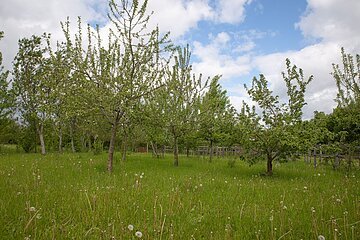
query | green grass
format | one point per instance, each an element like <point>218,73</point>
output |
<point>71,196</point>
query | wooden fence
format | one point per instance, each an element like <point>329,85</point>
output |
<point>317,156</point>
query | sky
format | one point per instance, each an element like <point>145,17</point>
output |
<point>238,39</point>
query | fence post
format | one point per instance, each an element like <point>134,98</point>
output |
<point>320,159</point>
<point>315,158</point>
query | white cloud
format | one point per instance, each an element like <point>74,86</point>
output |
<point>178,16</point>
<point>214,59</point>
<point>332,21</point>
<point>231,11</point>
<point>20,19</point>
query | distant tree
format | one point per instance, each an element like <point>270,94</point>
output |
<point>31,71</point>
<point>275,133</point>
<point>6,98</point>
<point>217,116</point>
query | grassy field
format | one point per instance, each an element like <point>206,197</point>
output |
<point>71,196</point>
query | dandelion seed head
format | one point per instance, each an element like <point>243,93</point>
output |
<point>131,227</point>
<point>138,234</point>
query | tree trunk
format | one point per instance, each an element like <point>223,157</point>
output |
<point>176,152</point>
<point>154,149</point>
<point>163,151</point>
<point>72,137</point>
<point>112,141</point>
<point>211,151</point>
<point>60,140</point>
<point>40,131</point>
<point>269,171</point>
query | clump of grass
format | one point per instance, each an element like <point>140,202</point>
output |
<point>71,196</point>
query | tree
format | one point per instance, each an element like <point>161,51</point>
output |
<point>347,79</point>
<point>216,118</point>
<point>345,120</point>
<point>30,72</point>
<point>6,97</point>
<point>275,133</point>
<point>129,68</point>
<point>181,98</point>
<point>6,102</point>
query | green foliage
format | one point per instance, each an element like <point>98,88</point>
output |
<point>27,138</point>
<point>217,116</point>
<point>347,79</point>
<point>6,96</point>
<point>180,98</point>
<point>275,133</point>
<point>116,76</point>
<point>344,122</point>
<point>30,83</point>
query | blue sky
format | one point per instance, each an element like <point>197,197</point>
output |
<point>235,38</point>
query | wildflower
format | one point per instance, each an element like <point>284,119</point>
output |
<point>131,227</point>
<point>284,207</point>
<point>200,185</point>
<point>32,209</point>
<point>305,188</point>
<point>138,234</point>
<point>271,218</point>
<point>312,209</point>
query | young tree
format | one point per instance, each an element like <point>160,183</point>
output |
<point>345,119</point>
<point>181,98</point>
<point>216,118</point>
<point>347,79</point>
<point>275,132</point>
<point>31,70</point>
<point>129,68</point>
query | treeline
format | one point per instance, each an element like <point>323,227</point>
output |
<point>135,88</point>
